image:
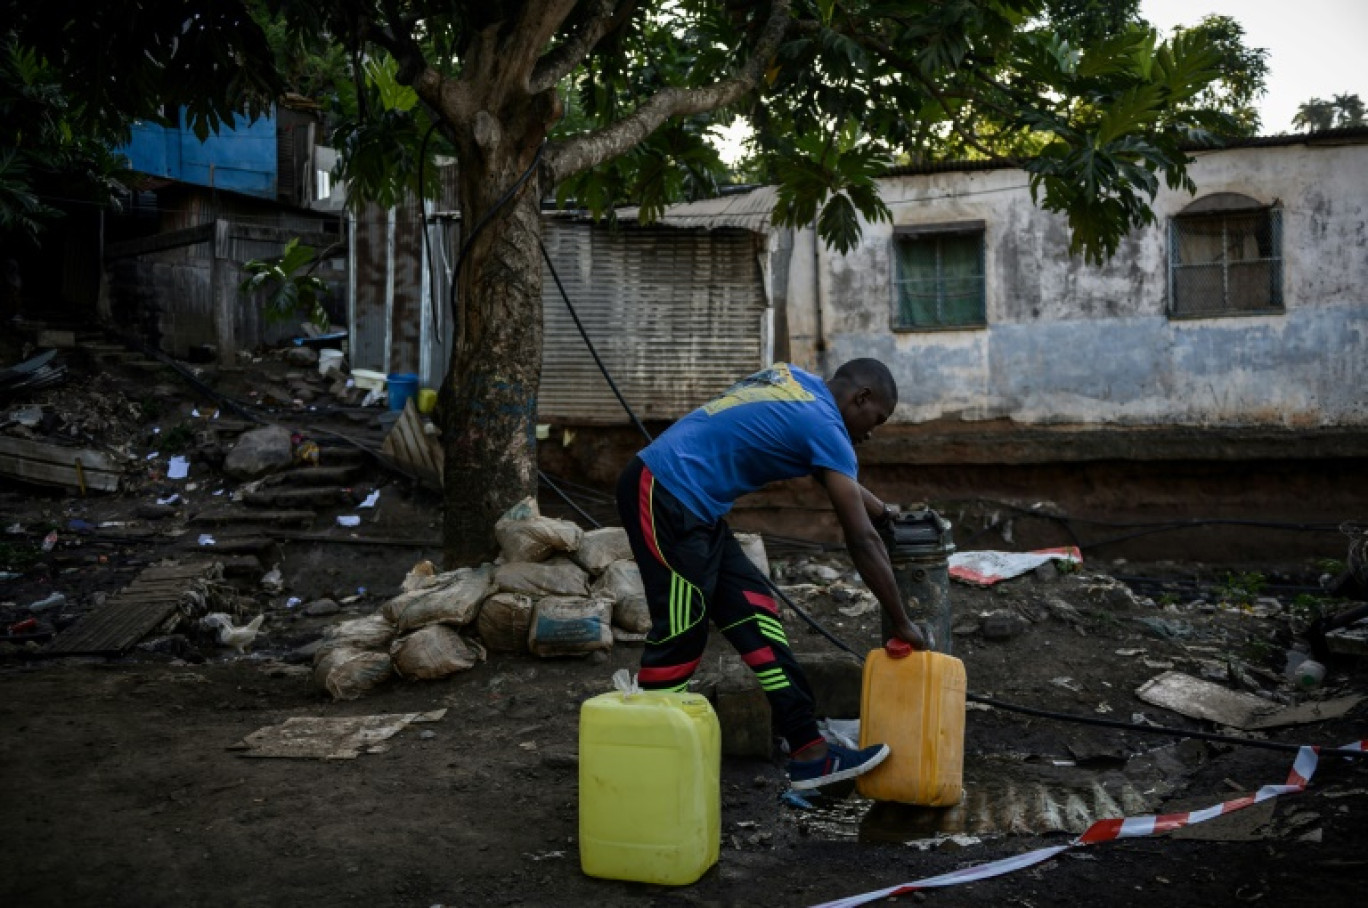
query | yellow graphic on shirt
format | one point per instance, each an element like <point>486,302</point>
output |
<point>773,384</point>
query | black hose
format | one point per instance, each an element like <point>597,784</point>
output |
<point>1157,729</point>
<point>568,500</point>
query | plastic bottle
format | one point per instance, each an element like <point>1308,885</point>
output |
<point>913,701</point>
<point>1309,674</point>
<point>649,787</point>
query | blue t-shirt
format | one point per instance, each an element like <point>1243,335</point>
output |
<point>777,424</point>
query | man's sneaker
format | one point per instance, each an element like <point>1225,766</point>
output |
<point>840,763</point>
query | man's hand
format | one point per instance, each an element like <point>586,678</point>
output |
<point>919,636</point>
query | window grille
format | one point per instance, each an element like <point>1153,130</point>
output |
<point>1225,263</point>
<point>938,280</point>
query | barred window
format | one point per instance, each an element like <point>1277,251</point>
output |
<point>1225,258</point>
<point>938,276</point>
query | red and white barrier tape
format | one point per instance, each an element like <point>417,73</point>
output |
<point>1106,831</point>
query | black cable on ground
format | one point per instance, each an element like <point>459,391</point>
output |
<point>1157,729</point>
<point>588,343</point>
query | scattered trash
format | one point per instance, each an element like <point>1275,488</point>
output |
<point>169,499</point>
<point>206,539</point>
<point>1198,699</point>
<point>371,500</point>
<point>1168,630</point>
<point>22,627</point>
<point>988,568</point>
<point>348,520</point>
<point>273,581</point>
<point>1309,674</point>
<point>293,601</point>
<point>50,541</point>
<point>330,737</point>
<point>52,600</point>
<point>178,468</point>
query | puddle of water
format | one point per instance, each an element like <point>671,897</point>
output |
<point>1001,798</point>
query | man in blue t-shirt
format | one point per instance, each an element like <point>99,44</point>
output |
<point>777,424</point>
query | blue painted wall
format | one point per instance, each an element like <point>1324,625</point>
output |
<point>240,158</point>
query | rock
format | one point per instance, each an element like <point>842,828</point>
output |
<point>260,452</point>
<point>1002,625</point>
<point>825,574</point>
<point>301,356</point>
<point>322,607</point>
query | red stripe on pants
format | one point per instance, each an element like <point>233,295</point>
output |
<point>644,509</point>
<point>667,672</point>
<point>761,656</point>
<point>760,600</point>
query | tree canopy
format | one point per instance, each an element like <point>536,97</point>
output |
<point>609,102</point>
<point>1340,112</point>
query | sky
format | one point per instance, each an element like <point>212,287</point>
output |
<point>1316,47</point>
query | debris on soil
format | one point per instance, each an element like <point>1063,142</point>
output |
<point>329,737</point>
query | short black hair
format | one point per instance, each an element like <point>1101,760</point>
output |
<point>870,373</point>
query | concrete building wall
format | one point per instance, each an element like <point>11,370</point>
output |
<point>1067,342</point>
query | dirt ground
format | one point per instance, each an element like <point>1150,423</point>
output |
<point>123,784</point>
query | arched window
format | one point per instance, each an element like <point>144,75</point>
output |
<point>1225,257</point>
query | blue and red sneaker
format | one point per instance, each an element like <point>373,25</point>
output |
<point>839,764</point>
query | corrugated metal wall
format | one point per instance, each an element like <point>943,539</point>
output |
<point>676,316</point>
<point>396,324</point>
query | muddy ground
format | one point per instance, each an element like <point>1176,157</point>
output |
<point>122,784</point>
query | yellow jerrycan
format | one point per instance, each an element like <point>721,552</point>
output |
<point>649,787</point>
<point>913,702</point>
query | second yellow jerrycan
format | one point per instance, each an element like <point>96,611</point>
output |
<point>649,787</point>
<point>913,701</point>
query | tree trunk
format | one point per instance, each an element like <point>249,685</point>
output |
<point>489,396</point>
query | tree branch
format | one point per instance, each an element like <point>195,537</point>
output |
<point>605,17</point>
<point>575,155</point>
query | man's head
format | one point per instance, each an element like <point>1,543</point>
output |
<point>865,394</point>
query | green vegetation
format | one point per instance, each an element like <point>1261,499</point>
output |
<point>1242,589</point>
<point>292,291</point>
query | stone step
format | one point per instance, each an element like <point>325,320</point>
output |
<point>226,517</point>
<point>319,497</point>
<point>321,475</point>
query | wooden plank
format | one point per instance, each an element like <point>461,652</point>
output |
<point>128,616</point>
<point>413,449</point>
<point>36,461</point>
<point>172,239</point>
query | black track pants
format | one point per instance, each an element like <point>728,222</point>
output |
<point>693,572</point>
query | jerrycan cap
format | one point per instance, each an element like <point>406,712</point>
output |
<point>898,649</point>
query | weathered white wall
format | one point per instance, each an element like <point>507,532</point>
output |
<point>1070,343</point>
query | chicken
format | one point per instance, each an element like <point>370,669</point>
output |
<point>239,638</point>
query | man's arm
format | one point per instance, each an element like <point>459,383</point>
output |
<point>852,504</point>
<point>878,511</point>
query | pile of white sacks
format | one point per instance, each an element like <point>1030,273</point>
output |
<point>555,590</point>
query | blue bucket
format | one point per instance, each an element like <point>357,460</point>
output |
<point>403,386</point>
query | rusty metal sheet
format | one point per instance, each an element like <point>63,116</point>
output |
<point>676,316</point>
